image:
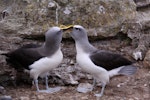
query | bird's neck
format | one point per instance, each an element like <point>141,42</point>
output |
<point>49,49</point>
<point>84,46</point>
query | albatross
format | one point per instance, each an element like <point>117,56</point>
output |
<point>101,64</point>
<point>39,59</point>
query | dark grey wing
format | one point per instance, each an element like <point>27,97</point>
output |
<point>30,46</point>
<point>108,60</point>
<point>23,57</point>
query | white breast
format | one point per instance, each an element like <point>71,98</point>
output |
<point>88,66</point>
<point>44,65</point>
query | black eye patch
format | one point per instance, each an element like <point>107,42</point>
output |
<point>78,29</point>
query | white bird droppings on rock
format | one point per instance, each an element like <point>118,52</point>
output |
<point>67,11</point>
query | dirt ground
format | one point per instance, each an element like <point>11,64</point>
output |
<point>136,87</point>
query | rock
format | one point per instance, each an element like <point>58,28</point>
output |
<point>103,18</point>
<point>24,98</point>
<point>84,98</point>
<point>142,4</point>
<point>70,69</point>
<point>40,97</point>
<point>139,52</point>
<point>138,29</point>
<point>5,97</point>
<point>89,76</point>
<point>147,59</point>
<point>140,39</point>
<point>84,87</point>
<point>146,96</point>
<point>3,52</point>
<point>131,99</point>
<point>2,90</point>
<point>72,80</point>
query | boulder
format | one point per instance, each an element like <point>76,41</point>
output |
<point>147,59</point>
<point>103,18</point>
<point>139,29</point>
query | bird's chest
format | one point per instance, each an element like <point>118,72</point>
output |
<point>83,59</point>
<point>48,63</point>
<point>57,58</point>
<point>84,62</point>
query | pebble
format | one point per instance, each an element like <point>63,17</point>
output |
<point>70,69</point>
<point>84,98</point>
<point>136,98</point>
<point>89,76</point>
<point>40,97</point>
<point>72,62</point>
<point>72,80</point>
<point>2,90</point>
<point>24,98</point>
<point>5,98</point>
<point>145,85</point>
<point>84,87</point>
<point>131,99</point>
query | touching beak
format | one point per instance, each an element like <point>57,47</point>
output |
<point>65,28</point>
